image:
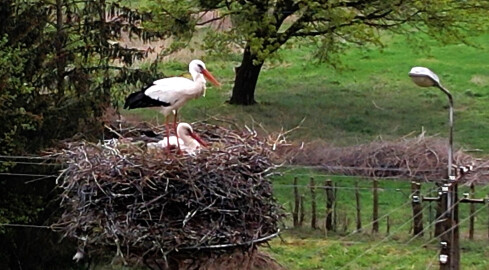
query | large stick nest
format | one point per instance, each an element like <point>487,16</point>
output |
<point>142,203</point>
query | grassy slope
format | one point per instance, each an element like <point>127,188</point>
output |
<point>371,97</point>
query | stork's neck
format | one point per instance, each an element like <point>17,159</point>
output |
<point>188,141</point>
<point>197,76</point>
<point>199,81</point>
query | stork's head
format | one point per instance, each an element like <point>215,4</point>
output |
<point>198,67</point>
<point>185,132</point>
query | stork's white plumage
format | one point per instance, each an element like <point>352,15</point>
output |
<point>172,93</point>
<point>80,254</point>
<point>186,139</point>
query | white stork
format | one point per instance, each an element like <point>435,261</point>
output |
<point>172,93</point>
<point>186,140</point>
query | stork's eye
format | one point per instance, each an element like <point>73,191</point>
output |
<point>200,67</point>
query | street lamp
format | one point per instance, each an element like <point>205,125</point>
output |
<point>424,77</point>
<point>450,252</point>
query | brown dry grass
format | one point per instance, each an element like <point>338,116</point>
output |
<point>192,51</point>
<point>480,80</point>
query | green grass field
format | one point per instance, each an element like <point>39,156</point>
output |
<point>317,253</point>
<point>370,97</point>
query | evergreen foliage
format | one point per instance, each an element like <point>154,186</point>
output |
<point>60,66</point>
<point>60,63</point>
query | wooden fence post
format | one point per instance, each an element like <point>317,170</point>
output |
<point>472,212</point>
<point>312,186</point>
<point>329,204</point>
<point>295,214</point>
<point>430,209</point>
<point>359,214</point>
<point>345,223</point>
<point>335,205</point>
<point>375,216</point>
<point>486,204</point>
<point>417,209</point>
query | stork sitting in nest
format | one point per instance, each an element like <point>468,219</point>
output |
<point>186,140</point>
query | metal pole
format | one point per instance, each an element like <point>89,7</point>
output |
<point>450,175</point>
<point>450,245</point>
<point>445,243</point>
<point>455,231</point>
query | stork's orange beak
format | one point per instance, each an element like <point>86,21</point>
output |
<point>198,139</point>
<point>211,78</point>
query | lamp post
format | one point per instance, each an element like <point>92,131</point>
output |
<point>450,251</point>
<point>426,78</point>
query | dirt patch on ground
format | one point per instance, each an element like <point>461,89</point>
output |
<point>480,80</point>
<point>193,50</point>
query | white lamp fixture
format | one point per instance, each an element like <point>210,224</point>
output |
<point>424,77</point>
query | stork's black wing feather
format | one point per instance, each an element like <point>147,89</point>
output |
<point>140,100</point>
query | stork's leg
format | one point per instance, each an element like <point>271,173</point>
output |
<point>167,126</point>
<point>175,115</point>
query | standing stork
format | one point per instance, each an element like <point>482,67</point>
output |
<point>172,93</point>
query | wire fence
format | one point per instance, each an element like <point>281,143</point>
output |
<point>391,195</point>
<point>363,210</point>
<point>387,206</point>
<point>345,212</point>
<point>354,205</point>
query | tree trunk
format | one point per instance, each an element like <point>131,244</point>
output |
<point>246,77</point>
<point>59,43</point>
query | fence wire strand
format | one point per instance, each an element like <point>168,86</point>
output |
<point>437,220</point>
<point>15,162</point>
<point>318,251</point>
<point>336,187</point>
<point>46,157</point>
<point>450,229</point>
<point>24,226</point>
<point>432,261</point>
<point>377,244</point>
<point>357,168</point>
<point>430,226</point>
